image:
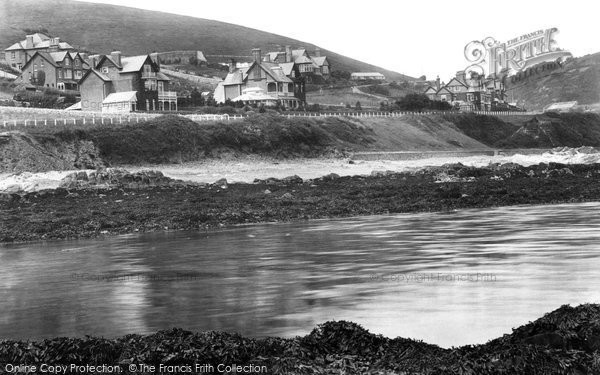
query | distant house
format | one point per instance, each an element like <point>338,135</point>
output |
<point>273,82</point>
<point>476,93</point>
<point>55,70</point>
<point>19,53</point>
<point>124,84</point>
<point>183,57</point>
<point>364,76</point>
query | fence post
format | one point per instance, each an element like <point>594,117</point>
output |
<point>4,123</point>
<point>45,121</point>
<point>65,120</point>
<point>84,121</point>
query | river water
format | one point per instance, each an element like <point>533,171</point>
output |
<point>451,278</point>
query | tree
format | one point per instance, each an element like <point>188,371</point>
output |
<point>358,107</point>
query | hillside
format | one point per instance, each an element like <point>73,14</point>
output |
<point>102,28</point>
<point>577,80</point>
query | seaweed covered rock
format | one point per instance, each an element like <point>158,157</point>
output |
<point>114,178</point>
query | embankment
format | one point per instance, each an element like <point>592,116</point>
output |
<point>172,139</point>
<point>125,203</point>
<point>565,341</point>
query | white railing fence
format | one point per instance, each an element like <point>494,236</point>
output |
<point>18,116</point>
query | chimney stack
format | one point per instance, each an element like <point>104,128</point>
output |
<point>267,58</point>
<point>116,57</point>
<point>288,54</point>
<point>29,41</point>
<point>231,65</point>
<point>154,58</point>
<point>461,75</point>
<point>437,82</point>
<point>317,52</point>
<point>93,61</point>
<point>256,54</point>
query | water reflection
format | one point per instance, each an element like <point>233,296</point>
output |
<point>414,275</point>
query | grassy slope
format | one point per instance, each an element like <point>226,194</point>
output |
<point>175,139</point>
<point>101,28</point>
<point>418,133</point>
<point>542,131</point>
<point>578,80</point>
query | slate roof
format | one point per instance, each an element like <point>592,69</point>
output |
<point>45,55</point>
<point>133,63</point>
<point>40,40</point>
<point>119,97</point>
<point>319,60</point>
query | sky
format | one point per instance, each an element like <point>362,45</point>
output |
<point>412,37</point>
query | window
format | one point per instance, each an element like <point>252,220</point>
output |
<point>42,64</point>
<point>104,69</point>
<point>34,68</point>
<point>290,87</point>
<point>444,98</point>
<point>280,88</point>
<point>68,74</point>
<point>78,74</point>
<point>61,74</point>
<point>67,62</point>
<point>271,87</point>
<point>13,55</point>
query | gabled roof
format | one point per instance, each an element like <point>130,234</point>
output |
<point>109,59</point>
<point>235,78</point>
<point>457,81</point>
<point>100,75</point>
<point>441,91</point>
<point>320,61</point>
<point>133,63</point>
<point>59,56</point>
<point>287,68</point>
<point>431,90</point>
<point>303,60</point>
<point>45,55</point>
<point>298,52</point>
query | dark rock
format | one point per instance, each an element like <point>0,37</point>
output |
<point>330,177</point>
<point>292,180</point>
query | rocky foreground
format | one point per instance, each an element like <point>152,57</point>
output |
<point>565,341</point>
<point>108,202</point>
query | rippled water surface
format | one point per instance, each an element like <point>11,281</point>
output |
<point>447,278</point>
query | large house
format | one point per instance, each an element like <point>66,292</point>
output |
<point>19,53</point>
<point>312,68</point>
<point>54,70</point>
<point>124,84</point>
<point>270,83</point>
<point>366,76</point>
<point>475,93</point>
